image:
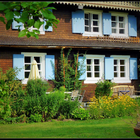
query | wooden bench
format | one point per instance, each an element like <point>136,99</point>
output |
<point>123,89</point>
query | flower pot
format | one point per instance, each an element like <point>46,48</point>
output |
<point>137,131</point>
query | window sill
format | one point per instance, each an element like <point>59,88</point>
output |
<point>91,81</point>
<point>121,81</point>
<point>92,34</point>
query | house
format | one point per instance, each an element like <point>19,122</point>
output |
<point>108,31</point>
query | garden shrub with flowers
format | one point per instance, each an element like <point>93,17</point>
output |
<point>111,107</point>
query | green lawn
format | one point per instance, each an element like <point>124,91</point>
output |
<point>105,128</point>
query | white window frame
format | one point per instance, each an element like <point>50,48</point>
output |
<point>125,79</point>
<point>99,12</point>
<point>125,15</point>
<point>35,54</point>
<point>93,79</point>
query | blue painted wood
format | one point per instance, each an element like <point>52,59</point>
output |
<point>18,62</point>
<point>106,23</point>
<point>50,67</point>
<point>82,61</point>
<point>78,22</point>
<point>133,69</point>
<point>50,29</point>
<point>109,68</point>
<point>132,25</point>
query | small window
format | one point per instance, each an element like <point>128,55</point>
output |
<point>93,23</point>
<point>94,68</point>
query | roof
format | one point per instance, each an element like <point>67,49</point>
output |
<point>119,5</point>
<point>44,43</point>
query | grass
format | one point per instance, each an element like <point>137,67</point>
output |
<point>104,128</point>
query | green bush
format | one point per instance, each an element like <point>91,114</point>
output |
<point>80,113</point>
<point>104,88</point>
<point>54,100</point>
<point>67,106</point>
<point>36,99</point>
<point>35,118</point>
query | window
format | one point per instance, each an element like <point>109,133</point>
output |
<point>121,69</point>
<point>28,59</point>
<point>94,68</point>
<point>93,22</point>
<point>119,24</point>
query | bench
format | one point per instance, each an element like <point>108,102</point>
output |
<point>123,89</point>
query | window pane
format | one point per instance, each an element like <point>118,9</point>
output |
<point>95,16</point>
<point>89,74</point>
<point>86,22</point>
<point>88,68</point>
<point>37,59</point>
<point>122,74</point>
<point>27,59</point>
<point>95,23</point>
<point>115,68</point>
<point>39,67</point>
<point>87,16</point>
<point>121,25</point>
<point>95,29</point>
<point>113,18</point>
<point>122,68</point>
<point>88,61</point>
<point>114,24</point>
<point>96,75</point>
<point>121,31</point>
<point>115,74</point>
<point>96,68</point>
<point>87,29</point>
<point>96,61</point>
<point>122,62</point>
<point>27,67</point>
<point>27,74</point>
<point>115,62</point>
<point>121,18</point>
<point>114,30</point>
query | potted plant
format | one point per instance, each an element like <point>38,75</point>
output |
<point>136,121</point>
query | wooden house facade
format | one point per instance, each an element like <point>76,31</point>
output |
<point>107,31</point>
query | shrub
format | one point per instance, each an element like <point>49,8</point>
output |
<point>80,113</point>
<point>67,106</point>
<point>36,99</point>
<point>54,100</point>
<point>103,88</point>
<point>35,118</point>
<point>106,107</point>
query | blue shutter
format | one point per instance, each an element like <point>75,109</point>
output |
<point>14,24</point>
<point>82,61</point>
<point>50,29</point>
<point>133,68</point>
<point>18,62</point>
<point>78,22</point>
<point>132,25</point>
<point>109,68</point>
<point>106,23</point>
<point>50,67</point>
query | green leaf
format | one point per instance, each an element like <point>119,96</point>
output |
<point>36,36</point>
<point>8,25</point>
<point>37,24</point>
<point>2,19</point>
<point>25,16</point>
<point>30,22</point>
<point>9,15</point>
<point>2,6</point>
<point>22,33</point>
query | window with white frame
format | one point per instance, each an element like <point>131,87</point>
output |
<point>94,68</point>
<point>121,69</point>
<point>28,59</point>
<point>93,22</point>
<point>119,24</point>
